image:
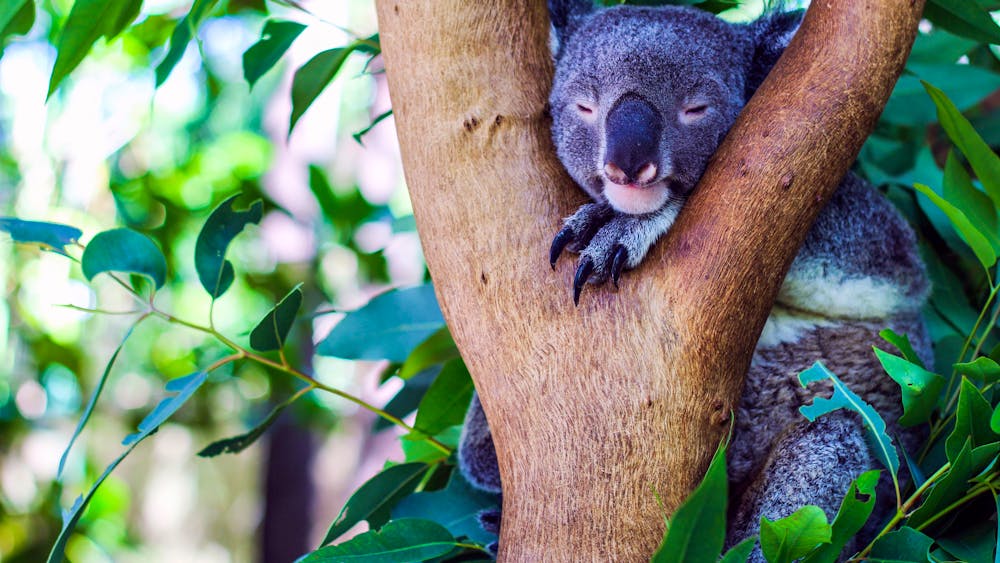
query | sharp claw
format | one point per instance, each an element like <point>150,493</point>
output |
<point>618,264</point>
<point>582,274</point>
<point>559,244</point>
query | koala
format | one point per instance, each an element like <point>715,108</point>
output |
<point>641,99</point>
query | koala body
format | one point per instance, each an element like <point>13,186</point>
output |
<point>641,99</point>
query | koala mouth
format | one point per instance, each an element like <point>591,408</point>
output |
<point>634,199</point>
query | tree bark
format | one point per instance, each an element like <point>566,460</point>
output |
<point>593,408</point>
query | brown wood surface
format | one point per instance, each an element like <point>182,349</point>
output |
<point>595,407</point>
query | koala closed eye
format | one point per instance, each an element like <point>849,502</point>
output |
<point>587,111</point>
<point>692,113</point>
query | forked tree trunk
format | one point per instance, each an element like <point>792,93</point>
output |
<point>595,407</point>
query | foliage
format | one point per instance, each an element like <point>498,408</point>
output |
<point>421,508</point>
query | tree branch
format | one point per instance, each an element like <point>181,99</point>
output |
<point>592,408</point>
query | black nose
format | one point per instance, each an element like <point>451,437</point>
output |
<point>632,130</point>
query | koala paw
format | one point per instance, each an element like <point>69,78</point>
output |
<point>608,241</point>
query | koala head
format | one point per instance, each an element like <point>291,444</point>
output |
<point>643,96</point>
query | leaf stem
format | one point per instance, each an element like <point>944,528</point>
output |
<point>903,511</point>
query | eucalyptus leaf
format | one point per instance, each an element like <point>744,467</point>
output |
<point>740,552</point>
<point>88,21</point>
<point>920,388</point>
<point>697,529</point>
<point>970,233</point>
<point>977,206</point>
<point>184,387</point>
<point>963,17</point>
<point>124,250</point>
<point>447,399</point>
<point>179,40</point>
<point>902,343</point>
<point>389,327</point>
<point>984,161</point>
<point>275,39</point>
<point>965,85</point>
<point>16,18</point>
<point>904,544</point>
<point>456,507</point>
<point>972,421</point>
<point>89,409</point>
<point>51,235</point>
<point>378,119</point>
<point>374,499</point>
<point>793,537</point>
<point>437,349</point>
<point>983,369</point>
<point>216,273</point>
<point>408,398</point>
<point>237,444</point>
<point>399,541</point>
<point>271,331</point>
<point>843,398</point>
<point>854,512</point>
<point>955,483</point>
<point>314,76</point>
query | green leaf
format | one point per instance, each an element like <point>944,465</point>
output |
<point>424,451</point>
<point>389,327</point>
<point>971,543</point>
<point>271,331</point>
<point>373,500</point>
<point>446,401</point>
<point>275,39</point>
<point>237,444</point>
<point>982,369</point>
<point>984,162</point>
<point>124,250</point>
<point>437,349</point>
<point>314,76</point>
<point>995,420</point>
<point>697,529</point>
<point>378,119</point>
<point>179,40</point>
<point>456,507</point>
<point>184,387</point>
<point>408,398</point>
<point>965,85</point>
<point>972,421</point>
<point>955,483</point>
<point>88,21</point>
<point>843,398</point>
<point>89,409</point>
<point>740,552</point>
<point>400,541</point>
<point>16,18</point>
<point>905,544</point>
<point>214,271</point>
<point>854,511</point>
<point>920,388</point>
<point>970,234</point>
<point>963,17</point>
<point>939,47</point>
<point>792,537</point>
<point>51,235</point>
<point>959,191</point>
<point>902,343</point>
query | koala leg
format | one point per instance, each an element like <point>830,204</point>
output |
<point>477,458</point>
<point>811,463</point>
<point>610,242</point>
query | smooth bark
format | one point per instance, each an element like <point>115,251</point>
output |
<point>595,407</point>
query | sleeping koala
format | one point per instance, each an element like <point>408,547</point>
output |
<point>641,99</point>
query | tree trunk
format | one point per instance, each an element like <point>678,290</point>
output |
<point>593,408</point>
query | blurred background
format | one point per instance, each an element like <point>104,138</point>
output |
<point>110,149</point>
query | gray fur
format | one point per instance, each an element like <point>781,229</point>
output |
<point>857,272</point>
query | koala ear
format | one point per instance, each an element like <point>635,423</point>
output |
<point>566,16</point>
<point>769,36</point>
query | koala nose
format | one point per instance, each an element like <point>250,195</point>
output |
<point>632,135</point>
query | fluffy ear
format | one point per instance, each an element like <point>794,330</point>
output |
<point>566,16</point>
<point>769,36</point>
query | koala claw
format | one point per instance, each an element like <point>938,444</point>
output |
<point>559,244</point>
<point>618,264</point>
<point>582,275</point>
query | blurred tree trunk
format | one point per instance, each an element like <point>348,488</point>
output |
<point>593,408</point>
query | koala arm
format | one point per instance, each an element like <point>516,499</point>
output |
<point>609,241</point>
